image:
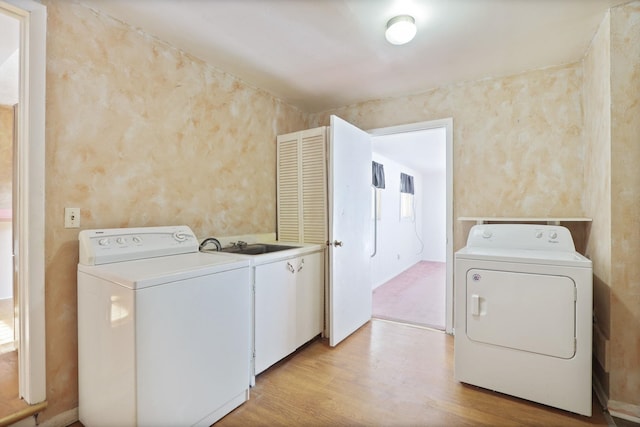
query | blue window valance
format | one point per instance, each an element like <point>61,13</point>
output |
<point>377,175</point>
<point>406,183</point>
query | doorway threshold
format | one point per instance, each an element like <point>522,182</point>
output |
<point>413,325</point>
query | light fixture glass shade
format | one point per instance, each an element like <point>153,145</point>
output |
<point>401,29</point>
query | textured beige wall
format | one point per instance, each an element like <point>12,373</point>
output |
<point>612,196</point>
<point>141,134</point>
<point>6,155</point>
<point>597,194</point>
<point>517,141</point>
<point>625,188</point>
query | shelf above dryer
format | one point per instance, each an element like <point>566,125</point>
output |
<point>548,220</point>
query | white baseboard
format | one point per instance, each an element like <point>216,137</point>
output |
<point>25,422</point>
<point>61,420</point>
<point>626,411</point>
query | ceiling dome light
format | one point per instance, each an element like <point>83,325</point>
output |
<point>401,29</point>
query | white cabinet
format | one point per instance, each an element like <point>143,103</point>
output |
<point>309,297</point>
<point>275,313</point>
<point>302,186</point>
<point>288,306</point>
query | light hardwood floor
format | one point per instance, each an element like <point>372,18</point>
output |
<point>12,408</point>
<point>386,374</point>
<point>9,399</point>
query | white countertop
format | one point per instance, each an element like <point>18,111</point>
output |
<point>267,238</point>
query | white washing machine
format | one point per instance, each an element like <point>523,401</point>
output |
<point>164,331</point>
<point>523,302</point>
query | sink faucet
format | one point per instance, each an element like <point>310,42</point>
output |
<point>208,240</point>
<point>239,244</point>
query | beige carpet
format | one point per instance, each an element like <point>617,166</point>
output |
<point>415,296</point>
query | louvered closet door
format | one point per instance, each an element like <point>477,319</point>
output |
<point>288,199</point>
<point>302,186</point>
<point>314,186</point>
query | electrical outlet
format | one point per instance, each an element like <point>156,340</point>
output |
<point>71,217</point>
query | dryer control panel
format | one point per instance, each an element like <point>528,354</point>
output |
<point>521,236</point>
<point>127,244</point>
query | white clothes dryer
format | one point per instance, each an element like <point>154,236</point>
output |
<point>164,331</point>
<point>523,302</point>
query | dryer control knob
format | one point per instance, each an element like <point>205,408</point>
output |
<point>553,235</point>
<point>103,242</point>
<point>179,236</point>
<point>538,234</point>
<point>487,234</point>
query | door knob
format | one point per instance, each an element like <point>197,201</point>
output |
<point>337,243</point>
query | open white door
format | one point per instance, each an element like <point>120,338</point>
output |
<point>349,229</point>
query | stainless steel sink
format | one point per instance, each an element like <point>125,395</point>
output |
<point>256,249</point>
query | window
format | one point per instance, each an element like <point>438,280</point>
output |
<point>407,211</point>
<point>406,206</point>
<point>376,197</point>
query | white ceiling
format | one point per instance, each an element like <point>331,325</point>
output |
<point>321,54</point>
<point>424,151</point>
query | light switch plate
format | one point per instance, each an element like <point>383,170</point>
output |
<point>71,217</point>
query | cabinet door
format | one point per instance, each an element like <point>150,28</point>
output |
<point>309,296</point>
<point>275,315</point>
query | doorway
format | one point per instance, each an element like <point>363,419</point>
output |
<point>9,96</point>
<point>411,269</point>
<point>27,198</point>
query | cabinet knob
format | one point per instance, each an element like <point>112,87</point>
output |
<point>337,243</point>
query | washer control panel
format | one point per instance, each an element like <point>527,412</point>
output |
<point>521,236</point>
<point>127,244</point>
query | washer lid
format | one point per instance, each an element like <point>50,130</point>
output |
<point>149,272</point>
<point>524,256</point>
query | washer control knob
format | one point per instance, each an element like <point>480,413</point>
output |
<point>553,235</point>
<point>180,236</point>
<point>121,240</point>
<point>103,242</point>
<point>136,239</point>
<point>487,234</point>
<point>538,234</point>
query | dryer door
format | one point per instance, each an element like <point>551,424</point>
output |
<point>523,311</point>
